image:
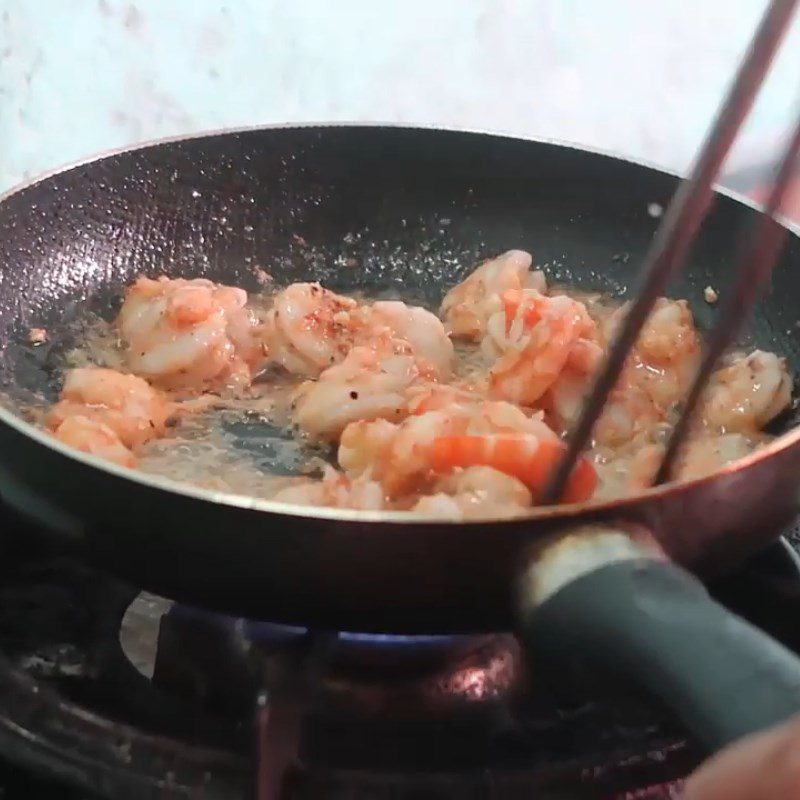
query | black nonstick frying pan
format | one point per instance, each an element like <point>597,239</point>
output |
<point>379,209</point>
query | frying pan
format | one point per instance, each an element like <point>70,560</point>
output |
<point>388,209</point>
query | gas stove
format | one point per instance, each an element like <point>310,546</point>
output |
<point>108,692</point>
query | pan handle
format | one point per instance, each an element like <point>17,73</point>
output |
<point>600,597</point>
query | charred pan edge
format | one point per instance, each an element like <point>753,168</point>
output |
<point>780,444</point>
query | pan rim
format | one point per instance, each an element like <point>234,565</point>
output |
<point>791,225</point>
<point>387,518</point>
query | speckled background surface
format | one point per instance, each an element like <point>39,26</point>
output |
<point>643,78</point>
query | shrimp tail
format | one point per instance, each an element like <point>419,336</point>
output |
<point>531,461</point>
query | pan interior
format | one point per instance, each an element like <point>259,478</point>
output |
<point>389,212</point>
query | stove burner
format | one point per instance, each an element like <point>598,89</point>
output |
<point>437,731</point>
<point>368,672</point>
<point>368,649</point>
<point>326,715</point>
<point>337,715</point>
<point>387,651</point>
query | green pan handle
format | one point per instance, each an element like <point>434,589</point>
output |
<point>652,623</point>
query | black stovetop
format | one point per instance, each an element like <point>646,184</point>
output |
<point>193,704</point>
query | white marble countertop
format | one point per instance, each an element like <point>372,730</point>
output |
<point>642,78</point>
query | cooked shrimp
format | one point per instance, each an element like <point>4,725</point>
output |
<point>630,408</point>
<point>635,468</point>
<point>669,349</point>
<point>367,385</point>
<point>475,492</point>
<point>564,399</point>
<point>544,336</point>
<point>523,456</point>
<point>512,321</point>
<point>501,417</point>
<point>748,393</point>
<point>398,455</point>
<point>405,456</point>
<point>393,448</point>
<point>126,404</point>
<point>89,435</point>
<point>704,455</point>
<point>467,307</point>
<point>628,472</point>
<point>337,491</point>
<point>364,445</point>
<point>436,396</point>
<point>669,333</point>
<point>552,351</point>
<point>629,414</point>
<point>439,506</point>
<point>733,403</point>
<point>655,378</point>
<point>311,328</point>
<point>421,329</point>
<point>663,361</point>
<point>188,333</point>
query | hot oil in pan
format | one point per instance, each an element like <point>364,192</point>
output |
<point>233,451</point>
<point>247,446</point>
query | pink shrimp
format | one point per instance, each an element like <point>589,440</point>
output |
<point>475,492</point>
<point>89,435</point>
<point>405,457</point>
<point>112,414</point>
<point>665,357</point>
<point>564,399</point>
<point>337,491</point>
<point>467,307</point>
<point>523,456</point>
<point>366,385</point>
<point>421,398</point>
<point>748,393</point>
<point>395,454</point>
<point>422,330</point>
<point>189,333</point>
<point>543,336</point>
<point>311,328</point>
<point>126,404</point>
